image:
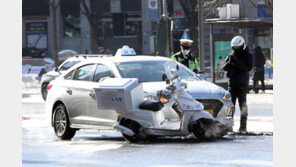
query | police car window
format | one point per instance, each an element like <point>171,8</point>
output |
<point>145,71</point>
<point>101,72</point>
<point>184,74</point>
<point>68,65</point>
<point>84,73</point>
<point>69,75</point>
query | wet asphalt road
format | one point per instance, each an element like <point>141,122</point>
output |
<point>107,148</point>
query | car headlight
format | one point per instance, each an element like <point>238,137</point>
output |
<point>227,96</point>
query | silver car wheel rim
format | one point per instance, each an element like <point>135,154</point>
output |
<point>60,122</point>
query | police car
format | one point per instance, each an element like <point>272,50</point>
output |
<point>71,103</point>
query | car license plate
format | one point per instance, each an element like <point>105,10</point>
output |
<point>210,111</point>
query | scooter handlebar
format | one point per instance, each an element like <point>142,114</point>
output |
<point>166,93</point>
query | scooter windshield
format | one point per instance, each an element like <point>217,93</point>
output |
<point>171,70</point>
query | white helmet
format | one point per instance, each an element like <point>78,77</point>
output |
<point>237,42</point>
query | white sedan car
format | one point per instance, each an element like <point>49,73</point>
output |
<point>71,103</point>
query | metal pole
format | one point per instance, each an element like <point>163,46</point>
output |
<point>201,36</point>
<point>164,7</point>
<point>212,53</point>
<point>165,13</point>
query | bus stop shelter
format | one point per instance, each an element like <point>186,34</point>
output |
<point>222,40</point>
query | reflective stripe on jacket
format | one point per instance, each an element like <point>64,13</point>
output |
<point>191,64</point>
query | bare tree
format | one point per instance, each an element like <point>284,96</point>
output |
<point>269,4</point>
<point>54,4</point>
<point>94,19</point>
<point>191,12</point>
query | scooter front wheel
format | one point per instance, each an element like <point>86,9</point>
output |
<point>202,130</point>
<point>135,127</point>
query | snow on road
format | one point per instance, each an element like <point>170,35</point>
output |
<point>107,148</point>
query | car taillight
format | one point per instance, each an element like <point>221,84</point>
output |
<point>49,87</point>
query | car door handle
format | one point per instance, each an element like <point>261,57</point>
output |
<point>69,91</point>
<point>92,94</point>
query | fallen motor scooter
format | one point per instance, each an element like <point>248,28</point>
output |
<point>176,113</point>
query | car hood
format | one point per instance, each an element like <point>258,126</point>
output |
<point>198,89</point>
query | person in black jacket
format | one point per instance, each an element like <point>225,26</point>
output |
<point>258,69</point>
<point>238,64</point>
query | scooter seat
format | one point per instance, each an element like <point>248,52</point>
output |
<point>151,105</point>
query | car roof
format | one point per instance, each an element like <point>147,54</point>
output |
<point>118,59</point>
<point>86,56</point>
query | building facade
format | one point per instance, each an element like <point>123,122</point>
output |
<point>127,22</point>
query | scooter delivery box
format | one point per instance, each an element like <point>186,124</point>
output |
<point>119,94</point>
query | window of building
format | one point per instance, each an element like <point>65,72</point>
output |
<point>130,5</point>
<point>108,29</point>
<point>35,8</point>
<point>96,5</point>
<point>131,28</point>
<point>122,24</point>
<point>70,10</point>
<point>84,73</point>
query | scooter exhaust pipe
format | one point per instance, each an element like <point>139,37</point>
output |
<point>124,130</point>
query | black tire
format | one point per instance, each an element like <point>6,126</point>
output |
<point>44,91</point>
<point>61,123</point>
<point>135,127</point>
<point>199,129</point>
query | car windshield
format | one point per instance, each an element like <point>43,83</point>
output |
<point>147,71</point>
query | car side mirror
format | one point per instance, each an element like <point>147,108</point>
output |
<point>55,69</point>
<point>177,67</point>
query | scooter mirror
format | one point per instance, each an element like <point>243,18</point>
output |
<point>167,81</point>
<point>164,77</point>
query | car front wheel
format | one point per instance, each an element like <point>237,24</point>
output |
<point>61,123</point>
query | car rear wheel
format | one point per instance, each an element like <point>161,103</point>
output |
<point>61,123</point>
<point>44,91</point>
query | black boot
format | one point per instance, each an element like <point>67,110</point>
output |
<point>243,124</point>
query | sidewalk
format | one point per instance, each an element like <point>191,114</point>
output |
<point>260,98</point>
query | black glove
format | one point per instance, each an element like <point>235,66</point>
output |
<point>232,60</point>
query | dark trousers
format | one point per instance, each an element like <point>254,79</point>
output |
<point>240,92</point>
<point>255,84</point>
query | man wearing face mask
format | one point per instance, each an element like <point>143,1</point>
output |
<point>185,57</point>
<point>238,64</point>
